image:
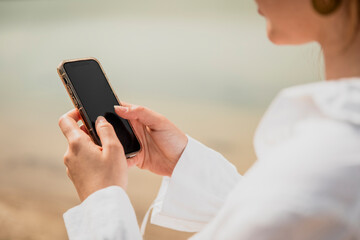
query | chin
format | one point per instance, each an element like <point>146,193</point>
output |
<point>281,38</point>
<point>274,36</point>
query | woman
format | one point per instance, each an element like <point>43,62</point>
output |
<point>305,184</point>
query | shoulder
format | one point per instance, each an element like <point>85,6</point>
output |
<point>314,172</point>
<point>325,136</point>
<point>321,113</point>
<point>312,177</point>
<point>311,134</point>
<point>321,149</point>
<point>308,145</point>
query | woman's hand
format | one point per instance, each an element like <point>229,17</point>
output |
<point>89,166</point>
<point>162,142</point>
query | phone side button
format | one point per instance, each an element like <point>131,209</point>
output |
<point>75,102</point>
<point>81,111</point>
<point>69,88</point>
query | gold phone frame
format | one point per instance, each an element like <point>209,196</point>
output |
<point>77,103</point>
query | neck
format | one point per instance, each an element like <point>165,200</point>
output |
<point>342,62</point>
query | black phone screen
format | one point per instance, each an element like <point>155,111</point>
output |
<point>98,99</point>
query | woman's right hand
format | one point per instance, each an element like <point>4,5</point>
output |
<point>161,141</point>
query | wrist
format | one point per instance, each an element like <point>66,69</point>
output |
<point>86,191</point>
<point>183,147</point>
<point>99,191</point>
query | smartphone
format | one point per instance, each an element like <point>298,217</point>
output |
<point>91,93</point>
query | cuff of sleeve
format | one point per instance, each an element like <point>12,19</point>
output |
<point>196,190</point>
<point>105,214</point>
<point>160,218</point>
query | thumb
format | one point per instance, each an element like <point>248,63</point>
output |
<point>109,140</point>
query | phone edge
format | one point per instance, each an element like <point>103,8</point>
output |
<point>61,72</point>
<point>76,102</point>
<point>132,154</point>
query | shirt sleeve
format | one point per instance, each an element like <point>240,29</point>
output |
<point>105,214</point>
<point>197,189</point>
<point>305,189</point>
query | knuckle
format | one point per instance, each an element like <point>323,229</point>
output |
<point>75,138</point>
<point>69,174</point>
<point>75,143</point>
<point>104,128</point>
<point>162,119</point>
<point>61,119</point>
<point>104,125</point>
<point>67,159</point>
<point>140,108</point>
<point>114,145</point>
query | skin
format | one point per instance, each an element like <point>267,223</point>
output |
<point>89,166</point>
<point>293,22</point>
<point>92,168</point>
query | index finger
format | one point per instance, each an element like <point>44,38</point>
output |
<point>68,125</point>
<point>146,116</point>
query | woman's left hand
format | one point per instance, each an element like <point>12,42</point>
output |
<point>89,166</point>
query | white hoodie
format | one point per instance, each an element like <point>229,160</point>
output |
<point>305,184</point>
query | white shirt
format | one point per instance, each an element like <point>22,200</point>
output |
<point>305,184</point>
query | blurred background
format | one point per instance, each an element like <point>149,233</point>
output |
<point>205,64</point>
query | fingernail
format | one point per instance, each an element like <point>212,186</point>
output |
<point>121,108</point>
<point>100,119</point>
